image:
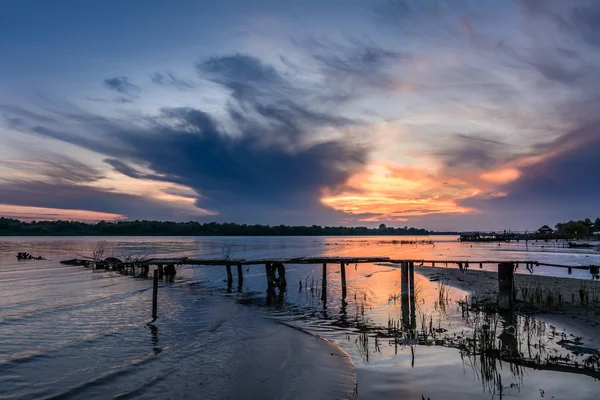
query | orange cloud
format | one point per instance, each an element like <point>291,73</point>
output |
<point>392,193</point>
<point>53,214</point>
<point>501,176</point>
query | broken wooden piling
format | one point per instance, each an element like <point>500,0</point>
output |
<point>404,293</point>
<point>229,275</point>
<point>155,295</point>
<point>413,312</point>
<point>343,274</point>
<point>324,284</point>
<point>240,274</point>
<point>280,267</point>
<point>270,276</point>
<point>506,276</point>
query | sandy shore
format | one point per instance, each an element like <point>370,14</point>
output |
<point>578,319</point>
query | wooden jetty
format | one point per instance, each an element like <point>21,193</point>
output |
<point>511,236</point>
<point>275,269</point>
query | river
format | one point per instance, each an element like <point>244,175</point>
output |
<point>69,332</point>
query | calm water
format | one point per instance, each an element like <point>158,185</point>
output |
<point>69,332</point>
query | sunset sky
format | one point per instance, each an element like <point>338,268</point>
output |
<point>448,115</point>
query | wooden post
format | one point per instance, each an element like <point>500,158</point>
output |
<point>229,275</point>
<point>281,275</point>
<point>404,294</point>
<point>324,283</point>
<point>505,285</point>
<point>240,275</point>
<point>269,273</point>
<point>413,312</point>
<point>155,295</point>
<point>343,273</point>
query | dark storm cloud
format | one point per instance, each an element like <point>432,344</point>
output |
<point>129,171</point>
<point>63,195</point>
<point>267,167</point>
<point>562,186</point>
<point>471,151</point>
<point>66,170</point>
<point>64,184</point>
<point>57,169</point>
<point>121,84</point>
<point>186,146</point>
<point>168,78</point>
<point>268,107</point>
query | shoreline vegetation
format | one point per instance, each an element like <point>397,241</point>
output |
<point>573,303</point>
<point>15,227</point>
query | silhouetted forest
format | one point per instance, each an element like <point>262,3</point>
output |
<point>13,227</point>
<point>581,227</point>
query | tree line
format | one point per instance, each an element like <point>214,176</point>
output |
<point>581,227</point>
<point>14,227</point>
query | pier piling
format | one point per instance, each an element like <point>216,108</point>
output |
<point>281,275</point>
<point>413,312</point>
<point>404,293</point>
<point>240,274</point>
<point>155,295</point>
<point>343,274</point>
<point>505,285</point>
<point>229,275</point>
<point>269,272</point>
<point>324,283</point>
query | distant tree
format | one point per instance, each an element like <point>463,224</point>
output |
<point>9,226</point>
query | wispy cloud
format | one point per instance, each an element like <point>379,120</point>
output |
<point>121,84</point>
<point>168,78</point>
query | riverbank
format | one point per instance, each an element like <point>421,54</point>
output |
<point>254,357</point>
<point>580,319</point>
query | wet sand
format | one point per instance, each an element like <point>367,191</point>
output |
<point>246,356</point>
<point>580,320</point>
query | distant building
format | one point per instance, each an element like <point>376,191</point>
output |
<point>545,229</point>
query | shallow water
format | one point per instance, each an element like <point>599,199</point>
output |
<point>71,332</point>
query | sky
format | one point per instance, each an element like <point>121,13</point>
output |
<point>445,115</point>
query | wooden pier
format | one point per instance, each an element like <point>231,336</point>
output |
<point>276,278</point>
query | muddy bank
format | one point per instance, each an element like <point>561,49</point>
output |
<point>579,319</point>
